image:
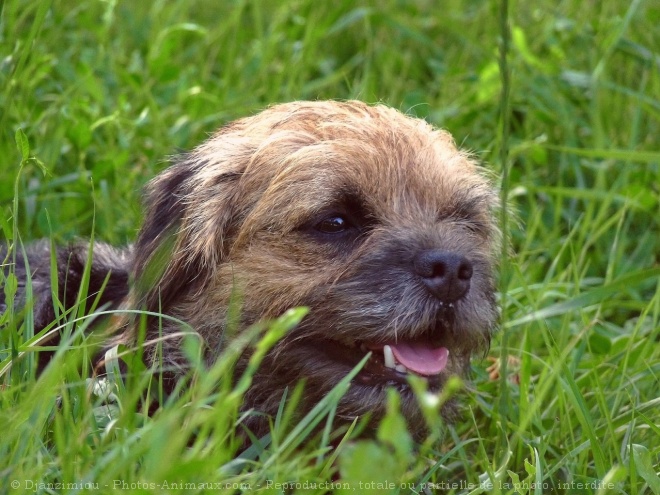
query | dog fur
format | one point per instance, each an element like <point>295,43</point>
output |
<point>351,210</point>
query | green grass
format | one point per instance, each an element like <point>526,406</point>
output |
<point>104,91</point>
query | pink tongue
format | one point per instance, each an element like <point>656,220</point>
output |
<point>420,358</point>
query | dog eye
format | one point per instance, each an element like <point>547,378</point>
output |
<point>333,225</point>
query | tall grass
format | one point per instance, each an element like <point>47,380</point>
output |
<point>103,91</point>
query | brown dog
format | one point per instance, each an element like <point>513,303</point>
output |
<point>372,219</point>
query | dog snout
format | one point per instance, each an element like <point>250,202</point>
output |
<point>445,274</point>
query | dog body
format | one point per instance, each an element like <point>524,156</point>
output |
<point>370,218</point>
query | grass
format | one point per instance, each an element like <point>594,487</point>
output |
<point>104,90</point>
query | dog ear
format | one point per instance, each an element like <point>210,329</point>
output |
<point>173,258</point>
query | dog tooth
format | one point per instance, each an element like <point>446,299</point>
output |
<point>401,368</point>
<point>388,356</point>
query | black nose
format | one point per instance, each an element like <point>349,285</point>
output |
<point>446,275</point>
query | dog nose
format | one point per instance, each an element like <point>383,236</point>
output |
<point>446,275</point>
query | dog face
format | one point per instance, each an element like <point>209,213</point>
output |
<point>372,219</point>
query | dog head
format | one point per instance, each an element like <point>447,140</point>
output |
<point>372,219</point>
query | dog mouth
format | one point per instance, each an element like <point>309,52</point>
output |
<point>415,357</point>
<point>391,363</point>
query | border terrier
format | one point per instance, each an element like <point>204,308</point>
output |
<point>372,219</point>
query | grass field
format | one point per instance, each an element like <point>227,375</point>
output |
<point>104,90</point>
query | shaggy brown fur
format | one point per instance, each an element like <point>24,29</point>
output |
<point>372,219</point>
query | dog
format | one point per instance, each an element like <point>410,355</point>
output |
<point>372,219</point>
